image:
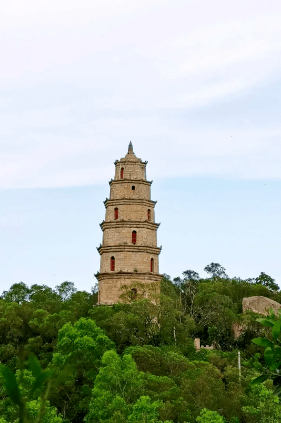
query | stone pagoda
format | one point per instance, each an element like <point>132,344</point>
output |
<point>129,251</point>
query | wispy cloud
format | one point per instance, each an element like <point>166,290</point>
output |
<point>78,81</point>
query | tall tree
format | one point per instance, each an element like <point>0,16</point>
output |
<point>189,288</point>
<point>80,348</point>
<point>117,386</point>
<point>268,281</point>
<point>215,270</point>
<point>19,292</point>
<point>65,290</point>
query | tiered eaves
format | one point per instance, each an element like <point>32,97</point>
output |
<point>129,249</point>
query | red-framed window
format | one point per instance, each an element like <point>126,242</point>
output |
<point>116,213</point>
<point>112,264</point>
<point>122,173</point>
<point>148,214</point>
<point>152,265</point>
<point>134,237</point>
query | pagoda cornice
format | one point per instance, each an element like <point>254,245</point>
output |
<point>135,181</point>
<point>128,248</point>
<point>128,224</point>
<point>133,160</point>
<point>127,201</point>
<point>129,275</point>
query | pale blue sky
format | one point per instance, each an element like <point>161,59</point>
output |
<point>195,84</point>
<point>51,235</point>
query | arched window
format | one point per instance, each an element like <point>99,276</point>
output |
<point>133,187</point>
<point>122,172</point>
<point>148,214</point>
<point>116,213</point>
<point>134,237</point>
<point>112,264</point>
<point>134,293</point>
<point>152,265</point>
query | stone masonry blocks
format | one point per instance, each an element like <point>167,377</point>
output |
<point>129,261</point>
<point>131,170</point>
<point>124,189</point>
<point>130,212</point>
<point>130,193</point>
<point>115,236</point>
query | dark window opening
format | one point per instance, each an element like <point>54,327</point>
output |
<point>134,237</point>
<point>152,265</point>
<point>116,213</point>
<point>133,187</point>
<point>122,173</point>
<point>112,264</point>
<point>148,214</point>
<point>134,293</point>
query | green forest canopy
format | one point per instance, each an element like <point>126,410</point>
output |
<point>135,361</point>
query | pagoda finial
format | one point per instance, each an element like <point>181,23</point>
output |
<point>130,148</point>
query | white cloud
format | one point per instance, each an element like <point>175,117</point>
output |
<point>79,80</point>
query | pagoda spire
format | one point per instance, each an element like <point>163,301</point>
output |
<point>129,252</point>
<point>130,148</point>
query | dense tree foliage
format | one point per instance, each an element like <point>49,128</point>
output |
<point>135,361</point>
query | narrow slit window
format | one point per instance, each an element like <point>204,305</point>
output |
<point>116,213</point>
<point>134,237</point>
<point>122,173</point>
<point>152,265</point>
<point>133,187</point>
<point>148,214</point>
<point>112,264</point>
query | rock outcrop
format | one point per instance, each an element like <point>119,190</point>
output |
<point>260,305</point>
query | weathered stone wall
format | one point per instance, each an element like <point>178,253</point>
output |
<point>198,346</point>
<point>124,190</point>
<point>110,286</point>
<point>130,212</point>
<point>123,235</point>
<point>129,261</point>
<point>132,261</point>
<point>131,170</point>
<point>260,304</point>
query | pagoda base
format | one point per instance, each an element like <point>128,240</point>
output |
<point>110,284</point>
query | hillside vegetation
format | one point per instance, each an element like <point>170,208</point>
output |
<point>135,361</point>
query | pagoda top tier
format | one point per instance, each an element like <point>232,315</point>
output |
<point>130,166</point>
<point>130,156</point>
